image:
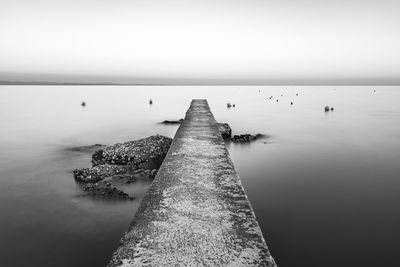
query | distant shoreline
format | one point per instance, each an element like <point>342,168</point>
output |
<point>3,83</point>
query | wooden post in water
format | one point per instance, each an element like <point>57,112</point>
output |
<point>196,211</point>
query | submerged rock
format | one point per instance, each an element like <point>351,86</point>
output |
<point>172,122</point>
<point>106,190</point>
<point>86,149</point>
<point>225,130</point>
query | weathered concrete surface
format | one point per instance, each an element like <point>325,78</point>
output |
<point>196,212</point>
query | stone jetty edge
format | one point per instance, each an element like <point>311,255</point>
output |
<point>196,212</point>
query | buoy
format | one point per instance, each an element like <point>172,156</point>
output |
<point>83,104</point>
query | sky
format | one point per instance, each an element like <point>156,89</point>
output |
<point>201,41</point>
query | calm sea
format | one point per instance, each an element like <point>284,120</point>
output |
<point>325,187</point>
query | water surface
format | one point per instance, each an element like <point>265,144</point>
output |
<point>324,186</point>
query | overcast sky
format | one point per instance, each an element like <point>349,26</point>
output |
<point>214,41</point>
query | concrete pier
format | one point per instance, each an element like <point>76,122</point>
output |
<point>196,212</point>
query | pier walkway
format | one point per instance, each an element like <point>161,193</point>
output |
<point>196,212</point>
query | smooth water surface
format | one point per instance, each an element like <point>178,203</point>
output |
<point>324,186</point>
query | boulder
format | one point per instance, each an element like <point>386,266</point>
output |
<point>122,164</point>
<point>146,153</point>
<point>225,130</point>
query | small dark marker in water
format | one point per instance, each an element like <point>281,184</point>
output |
<point>228,105</point>
<point>83,104</point>
<point>233,105</point>
<point>151,102</point>
<point>332,109</point>
<point>291,103</point>
<point>297,94</point>
<point>277,100</point>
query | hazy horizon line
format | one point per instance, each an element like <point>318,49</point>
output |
<point>5,83</point>
<point>83,79</point>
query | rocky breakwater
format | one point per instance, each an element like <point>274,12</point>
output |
<point>121,164</point>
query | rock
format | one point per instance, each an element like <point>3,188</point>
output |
<point>229,105</point>
<point>326,108</point>
<point>106,192</point>
<point>146,153</point>
<point>225,130</point>
<point>243,138</point>
<point>99,172</point>
<point>122,164</point>
<point>172,122</point>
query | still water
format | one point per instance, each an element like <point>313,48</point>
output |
<point>325,187</point>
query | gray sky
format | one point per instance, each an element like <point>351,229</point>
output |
<point>201,41</point>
